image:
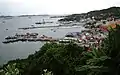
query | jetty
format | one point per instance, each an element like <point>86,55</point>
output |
<point>60,25</point>
<point>28,37</point>
<point>38,27</point>
<point>43,22</point>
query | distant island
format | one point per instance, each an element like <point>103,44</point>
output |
<point>32,15</point>
<point>2,16</point>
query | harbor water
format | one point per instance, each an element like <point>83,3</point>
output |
<point>21,50</point>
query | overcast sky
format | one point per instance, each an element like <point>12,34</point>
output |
<point>18,7</point>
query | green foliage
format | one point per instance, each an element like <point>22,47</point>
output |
<point>104,61</point>
<point>47,72</point>
<point>94,63</point>
<point>70,59</point>
<point>59,58</point>
<point>10,70</point>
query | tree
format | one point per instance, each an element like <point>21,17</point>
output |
<point>59,58</point>
<point>104,61</point>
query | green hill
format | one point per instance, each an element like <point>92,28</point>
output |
<point>98,14</point>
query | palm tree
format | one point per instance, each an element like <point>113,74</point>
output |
<point>106,60</point>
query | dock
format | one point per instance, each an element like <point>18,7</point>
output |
<point>29,40</point>
<point>60,25</point>
<point>28,37</point>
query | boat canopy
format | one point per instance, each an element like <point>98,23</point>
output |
<point>73,34</point>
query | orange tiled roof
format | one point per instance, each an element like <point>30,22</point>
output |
<point>111,25</point>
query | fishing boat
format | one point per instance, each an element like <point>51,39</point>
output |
<point>40,22</point>
<point>3,21</point>
<point>11,37</point>
<point>43,22</point>
<point>6,29</point>
<point>10,41</point>
<point>5,42</point>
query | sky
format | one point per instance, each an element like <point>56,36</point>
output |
<point>53,7</point>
